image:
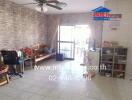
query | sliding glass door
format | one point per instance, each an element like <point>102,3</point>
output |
<point>66,43</point>
<point>70,37</point>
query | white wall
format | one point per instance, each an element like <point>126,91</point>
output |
<point>124,33</point>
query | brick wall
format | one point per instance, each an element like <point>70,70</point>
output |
<point>20,26</point>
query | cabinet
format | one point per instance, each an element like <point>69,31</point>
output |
<point>113,62</point>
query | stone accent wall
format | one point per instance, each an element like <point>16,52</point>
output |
<point>20,26</point>
<point>53,22</point>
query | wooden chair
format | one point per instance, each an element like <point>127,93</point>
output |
<point>4,78</point>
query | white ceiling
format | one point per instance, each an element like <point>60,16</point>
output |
<point>74,6</point>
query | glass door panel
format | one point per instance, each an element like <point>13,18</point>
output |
<point>67,48</point>
<point>66,44</point>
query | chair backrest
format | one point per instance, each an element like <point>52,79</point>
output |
<point>10,57</point>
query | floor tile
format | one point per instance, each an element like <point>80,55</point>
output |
<point>66,83</point>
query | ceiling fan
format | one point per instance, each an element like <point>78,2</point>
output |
<point>43,3</point>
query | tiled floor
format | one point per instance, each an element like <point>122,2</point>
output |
<point>65,82</point>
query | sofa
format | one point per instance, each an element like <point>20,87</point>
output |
<point>39,52</point>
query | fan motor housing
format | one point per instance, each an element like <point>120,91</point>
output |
<point>41,1</point>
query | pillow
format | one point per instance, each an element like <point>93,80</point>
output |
<point>46,50</point>
<point>27,51</point>
<point>41,50</point>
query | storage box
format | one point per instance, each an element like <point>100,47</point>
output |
<point>59,57</point>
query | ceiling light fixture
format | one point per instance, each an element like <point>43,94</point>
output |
<point>45,9</point>
<point>42,9</point>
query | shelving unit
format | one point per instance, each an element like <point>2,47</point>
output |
<point>113,62</point>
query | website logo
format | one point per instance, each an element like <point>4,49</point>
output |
<point>101,13</point>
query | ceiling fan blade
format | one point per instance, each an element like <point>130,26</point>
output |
<point>59,8</point>
<point>28,3</point>
<point>52,1</point>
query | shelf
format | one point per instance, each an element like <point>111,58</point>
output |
<point>124,63</point>
<point>107,62</point>
<point>116,70</point>
<point>115,57</point>
<point>121,55</point>
<point>107,54</point>
<point>107,47</point>
<point>123,77</point>
<point>108,69</point>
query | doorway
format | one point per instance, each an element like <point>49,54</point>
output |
<point>73,40</point>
